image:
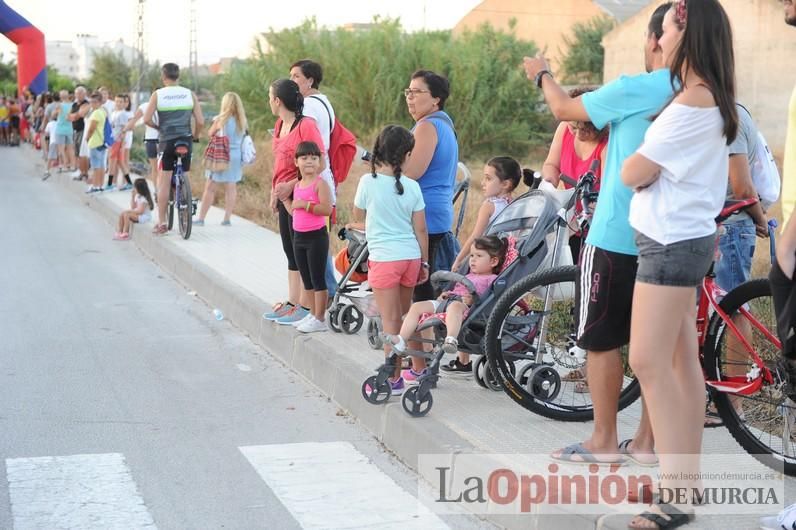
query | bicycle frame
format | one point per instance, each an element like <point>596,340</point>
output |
<point>752,381</point>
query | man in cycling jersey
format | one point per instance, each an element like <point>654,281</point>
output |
<point>608,261</point>
<point>175,105</point>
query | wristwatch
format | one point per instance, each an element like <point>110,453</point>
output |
<point>540,75</point>
<point>425,265</point>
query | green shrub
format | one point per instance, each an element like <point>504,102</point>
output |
<point>496,110</point>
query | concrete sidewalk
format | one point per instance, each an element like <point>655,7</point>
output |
<point>241,270</point>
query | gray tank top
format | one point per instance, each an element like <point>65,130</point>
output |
<point>175,108</point>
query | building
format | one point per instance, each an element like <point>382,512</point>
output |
<point>545,22</point>
<point>764,50</point>
<point>76,58</point>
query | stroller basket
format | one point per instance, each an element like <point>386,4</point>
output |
<point>364,301</point>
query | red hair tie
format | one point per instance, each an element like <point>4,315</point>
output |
<point>681,12</point>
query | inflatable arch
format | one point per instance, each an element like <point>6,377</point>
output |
<point>31,60</point>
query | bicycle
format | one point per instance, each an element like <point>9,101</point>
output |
<point>738,350</point>
<point>181,190</point>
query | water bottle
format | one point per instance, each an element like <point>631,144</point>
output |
<point>218,314</point>
<point>772,246</point>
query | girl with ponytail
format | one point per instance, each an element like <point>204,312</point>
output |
<point>389,207</point>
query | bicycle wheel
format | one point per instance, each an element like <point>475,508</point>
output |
<point>763,423</point>
<point>184,208</point>
<point>532,327</point>
<point>171,206</point>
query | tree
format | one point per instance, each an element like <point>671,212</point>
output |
<point>111,70</point>
<point>57,82</point>
<point>583,62</point>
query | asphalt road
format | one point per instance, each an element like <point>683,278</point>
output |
<point>122,397</point>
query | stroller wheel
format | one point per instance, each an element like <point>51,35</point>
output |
<point>544,383</point>
<point>334,315</point>
<point>374,393</point>
<point>415,405</point>
<point>492,382</point>
<point>374,336</point>
<point>350,320</point>
<point>478,371</point>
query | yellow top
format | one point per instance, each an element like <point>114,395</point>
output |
<point>3,113</point>
<point>97,138</point>
<point>789,164</point>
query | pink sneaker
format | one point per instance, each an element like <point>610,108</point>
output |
<point>410,376</point>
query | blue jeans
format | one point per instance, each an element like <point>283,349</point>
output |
<point>331,282</point>
<point>736,248</point>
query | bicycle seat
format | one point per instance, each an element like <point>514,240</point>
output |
<point>733,207</point>
<point>181,148</point>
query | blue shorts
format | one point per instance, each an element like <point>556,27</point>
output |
<point>737,247</point>
<point>97,158</point>
<point>4,124</point>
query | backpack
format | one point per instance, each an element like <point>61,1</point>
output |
<point>248,154</point>
<point>107,132</point>
<point>765,175</point>
<point>342,147</point>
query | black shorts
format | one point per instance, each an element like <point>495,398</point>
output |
<point>783,294</point>
<point>151,147</point>
<point>168,158</point>
<point>311,250</point>
<point>603,298</point>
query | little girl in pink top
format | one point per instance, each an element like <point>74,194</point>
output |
<point>310,207</point>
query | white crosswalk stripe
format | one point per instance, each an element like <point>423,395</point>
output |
<point>332,485</point>
<point>75,492</point>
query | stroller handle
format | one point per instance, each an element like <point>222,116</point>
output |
<point>440,277</point>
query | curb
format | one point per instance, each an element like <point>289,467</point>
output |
<point>335,376</point>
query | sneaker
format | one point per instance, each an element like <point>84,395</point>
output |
<point>76,175</point>
<point>226,223</point>
<point>126,187</point>
<point>160,230</point>
<point>456,367</point>
<point>295,314</point>
<point>398,386</point>
<point>312,325</point>
<point>109,187</point>
<point>93,189</point>
<point>279,313</point>
<point>451,345</point>
<point>411,377</point>
<point>46,175</point>
<point>785,519</point>
<point>300,322</point>
<point>198,222</point>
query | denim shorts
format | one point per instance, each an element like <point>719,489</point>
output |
<point>97,158</point>
<point>680,264</point>
<point>736,247</point>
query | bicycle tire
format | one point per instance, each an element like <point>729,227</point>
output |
<point>756,295</point>
<point>171,207</point>
<point>499,361</point>
<point>184,207</point>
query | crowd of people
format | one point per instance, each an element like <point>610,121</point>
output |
<point>672,144</point>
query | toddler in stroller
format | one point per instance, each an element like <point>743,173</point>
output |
<point>487,256</point>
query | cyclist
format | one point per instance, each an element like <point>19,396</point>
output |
<point>174,105</point>
<point>608,261</point>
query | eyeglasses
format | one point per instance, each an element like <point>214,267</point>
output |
<point>413,92</point>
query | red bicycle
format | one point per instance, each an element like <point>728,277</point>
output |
<point>738,350</point>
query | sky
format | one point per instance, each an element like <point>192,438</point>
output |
<point>225,28</point>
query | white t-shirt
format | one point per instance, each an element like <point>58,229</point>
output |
<point>149,132</point>
<point>49,131</point>
<point>315,109</point>
<point>109,106</point>
<point>682,204</point>
<point>147,215</point>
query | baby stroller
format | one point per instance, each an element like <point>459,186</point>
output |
<point>354,299</point>
<point>530,221</point>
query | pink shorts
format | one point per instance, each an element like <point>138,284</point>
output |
<point>389,274</point>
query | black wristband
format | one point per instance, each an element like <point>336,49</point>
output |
<point>539,77</point>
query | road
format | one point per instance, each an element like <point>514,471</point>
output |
<point>125,404</point>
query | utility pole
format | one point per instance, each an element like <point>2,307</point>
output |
<point>139,47</point>
<point>194,53</point>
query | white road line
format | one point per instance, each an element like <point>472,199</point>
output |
<point>71,492</point>
<point>332,485</point>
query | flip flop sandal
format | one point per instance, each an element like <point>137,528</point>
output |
<point>586,457</point>
<point>575,375</point>
<point>677,518</point>
<point>712,419</point>
<point>624,450</point>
